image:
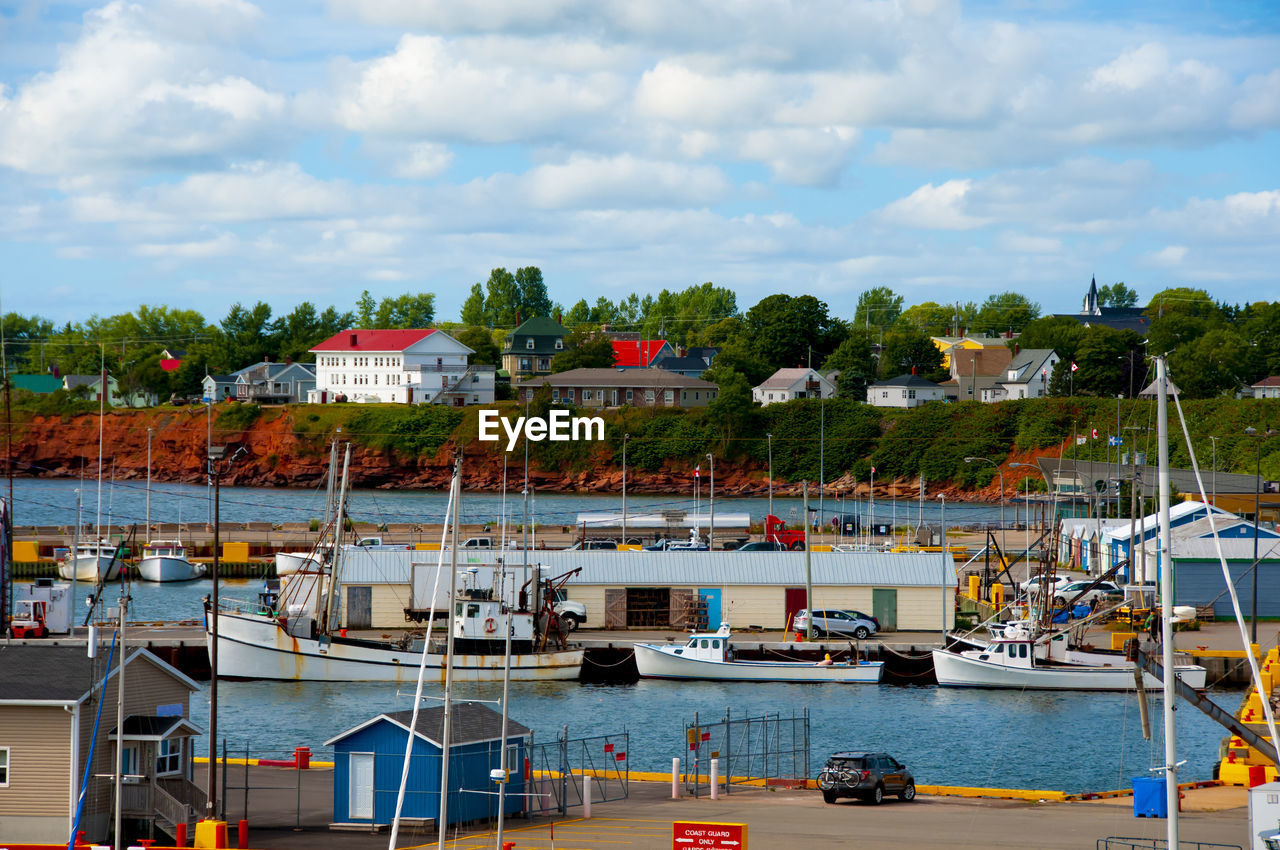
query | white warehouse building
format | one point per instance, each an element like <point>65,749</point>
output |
<point>416,366</point>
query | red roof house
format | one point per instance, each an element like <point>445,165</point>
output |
<point>640,353</point>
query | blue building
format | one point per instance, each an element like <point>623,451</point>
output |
<point>369,759</point>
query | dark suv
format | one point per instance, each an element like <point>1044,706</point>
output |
<point>866,775</point>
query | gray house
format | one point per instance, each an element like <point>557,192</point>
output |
<point>218,387</point>
<point>275,383</point>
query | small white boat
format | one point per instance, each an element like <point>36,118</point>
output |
<point>288,563</point>
<point>709,656</point>
<point>166,560</point>
<point>91,562</point>
<point>1018,663</point>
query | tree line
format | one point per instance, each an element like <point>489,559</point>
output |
<point>1215,348</point>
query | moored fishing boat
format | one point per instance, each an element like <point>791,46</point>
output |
<point>91,562</point>
<point>709,655</point>
<point>166,560</point>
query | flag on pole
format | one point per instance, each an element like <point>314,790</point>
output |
<point>1114,441</point>
<point>1074,367</point>
<point>1095,433</point>
<point>697,471</point>
<point>1080,441</point>
<point>1044,373</point>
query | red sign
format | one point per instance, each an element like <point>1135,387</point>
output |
<point>708,836</point>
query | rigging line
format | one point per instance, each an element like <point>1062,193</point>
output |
<point>1255,676</point>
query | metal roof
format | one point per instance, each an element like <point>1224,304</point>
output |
<point>613,519</point>
<point>676,568</point>
<point>1233,548</point>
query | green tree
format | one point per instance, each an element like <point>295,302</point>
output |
<point>730,411</point>
<point>786,331</point>
<point>738,356</point>
<point>1063,334</point>
<point>1217,363</point>
<point>932,318</point>
<point>365,307</point>
<point>303,328</point>
<point>501,300</point>
<point>579,314</point>
<point>878,307</point>
<point>1182,300</point>
<point>480,340</point>
<point>857,364</point>
<point>406,311</point>
<point>1006,312</point>
<point>905,350</point>
<point>473,307</point>
<point>247,337</point>
<point>585,348</point>
<point>534,300</point>
<point>1106,358</point>
<point>24,337</point>
<point>1116,295</point>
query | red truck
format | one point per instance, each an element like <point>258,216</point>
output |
<point>776,531</point>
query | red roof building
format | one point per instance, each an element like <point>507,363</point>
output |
<point>362,339</point>
<point>640,353</point>
<point>415,366</point>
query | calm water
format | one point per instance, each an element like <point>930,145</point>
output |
<point>1068,742</point>
<point>40,501</point>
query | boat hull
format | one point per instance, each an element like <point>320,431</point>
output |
<point>654,663</point>
<point>253,646</point>
<point>957,671</point>
<point>89,568</point>
<point>168,568</point>
<point>288,563</point>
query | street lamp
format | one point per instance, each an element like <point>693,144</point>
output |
<point>1000,472</point>
<point>711,528</point>
<point>1257,517</point>
<point>1048,487</point>
<point>1214,441</point>
<point>770,438</point>
<point>625,437</point>
<point>216,468</point>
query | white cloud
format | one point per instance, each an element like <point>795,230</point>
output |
<point>621,182</point>
<point>1023,243</point>
<point>140,88</point>
<point>933,208</point>
<point>219,246</point>
<point>424,161</point>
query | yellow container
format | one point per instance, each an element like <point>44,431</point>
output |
<point>1118,639</point>
<point>975,585</point>
<point>997,595</point>
<point>25,551</point>
<point>235,552</point>
<point>210,834</point>
<point>817,547</point>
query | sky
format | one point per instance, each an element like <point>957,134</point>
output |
<point>195,153</point>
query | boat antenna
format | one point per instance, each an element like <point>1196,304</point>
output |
<point>422,665</point>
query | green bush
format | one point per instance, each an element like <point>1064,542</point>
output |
<point>419,429</point>
<point>237,417</point>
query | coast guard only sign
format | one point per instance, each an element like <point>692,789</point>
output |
<point>559,427</point>
<point>708,836</point>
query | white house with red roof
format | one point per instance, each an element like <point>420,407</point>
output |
<point>1267,387</point>
<point>416,366</point>
<point>640,353</point>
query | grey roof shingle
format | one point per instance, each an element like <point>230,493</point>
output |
<point>619,378</point>
<point>907,381</point>
<point>44,672</point>
<point>471,722</point>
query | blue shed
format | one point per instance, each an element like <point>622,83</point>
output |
<point>369,759</point>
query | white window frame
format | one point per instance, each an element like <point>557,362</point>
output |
<point>172,756</point>
<point>6,766</point>
<point>528,343</point>
<point>559,345</point>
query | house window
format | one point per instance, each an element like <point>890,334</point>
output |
<point>528,343</point>
<point>669,396</point>
<point>4,767</point>
<point>524,363</point>
<point>169,757</point>
<point>559,345</point>
<point>629,393</point>
<point>648,396</point>
<point>911,393</point>
<point>555,394</point>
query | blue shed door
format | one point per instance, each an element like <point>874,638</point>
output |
<point>361,786</point>
<point>711,595</point>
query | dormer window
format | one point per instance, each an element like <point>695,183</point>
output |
<point>559,344</point>
<point>528,343</point>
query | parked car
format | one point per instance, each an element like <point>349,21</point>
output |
<point>762,546</point>
<point>592,544</point>
<point>1032,585</point>
<point>1104,591</point>
<point>836,622</point>
<point>866,775</point>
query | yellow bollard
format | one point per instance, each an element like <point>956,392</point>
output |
<point>975,582</point>
<point>211,834</point>
<point>997,595</point>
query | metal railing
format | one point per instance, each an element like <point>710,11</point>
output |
<point>1118,843</point>
<point>558,769</point>
<point>767,748</point>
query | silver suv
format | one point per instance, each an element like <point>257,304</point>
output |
<point>866,775</point>
<point>836,622</point>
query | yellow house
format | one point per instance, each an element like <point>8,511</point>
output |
<point>946,344</point>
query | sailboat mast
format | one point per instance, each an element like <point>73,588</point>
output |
<point>339,523</point>
<point>506,696</point>
<point>1166,606</point>
<point>442,828</point>
<point>102,394</point>
<point>148,534</point>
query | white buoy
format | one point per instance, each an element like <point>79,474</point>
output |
<point>715,779</point>
<point>675,779</point>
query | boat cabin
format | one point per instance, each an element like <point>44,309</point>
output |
<point>707,646</point>
<point>1006,653</point>
<point>164,549</point>
<point>478,616</point>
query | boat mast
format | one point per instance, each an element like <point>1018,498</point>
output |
<point>442,825</point>
<point>147,536</point>
<point>339,523</point>
<point>102,394</point>
<point>1166,607</point>
<point>506,695</point>
<point>124,651</point>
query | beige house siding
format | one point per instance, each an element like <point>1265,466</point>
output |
<point>146,686</point>
<point>39,742</point>
<point>388,604</point>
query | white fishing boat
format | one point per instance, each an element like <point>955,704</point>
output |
<point>166,560</point>
<point>1017,662</point>
<point>709,655</point>
<point>289,563</point>
<point>299,636</point>
<point>92,561</point>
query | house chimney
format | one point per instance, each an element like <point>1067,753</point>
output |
<point>353,339</point>
<point>287,360</point>
<point>1016,349</point>
<point>913,370</point>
